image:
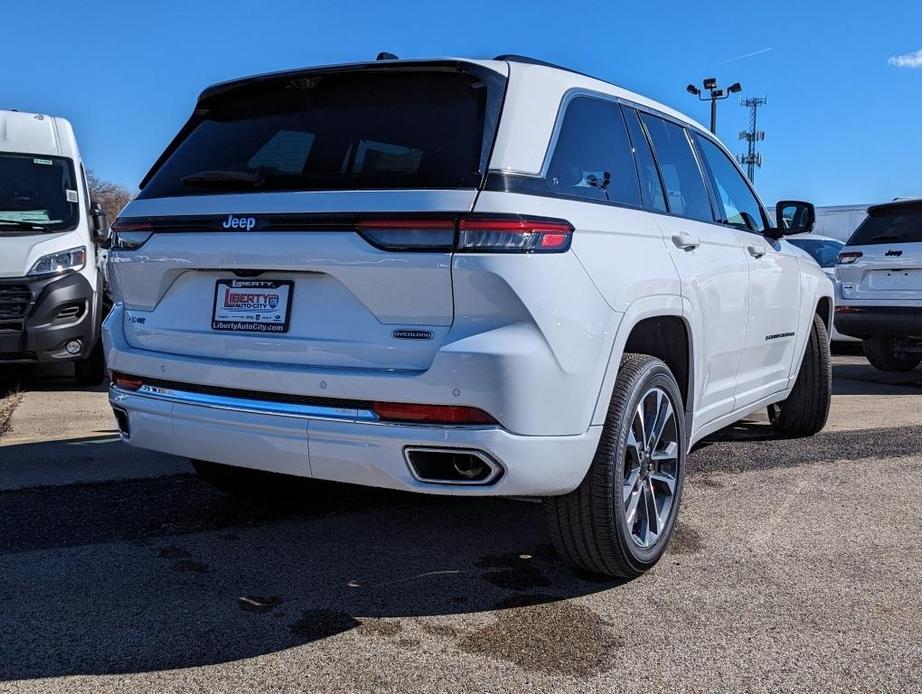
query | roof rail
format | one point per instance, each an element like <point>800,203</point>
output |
<point>513,58</point>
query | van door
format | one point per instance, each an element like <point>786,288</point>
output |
<point>774,294</point>
<point>711,262</point>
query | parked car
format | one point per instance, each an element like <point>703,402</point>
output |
<point>461,277</point>
<point>824,250</point>
<point>51,289</point>
<point>880,281</point>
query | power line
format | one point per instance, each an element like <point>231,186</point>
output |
<point>752,158</point>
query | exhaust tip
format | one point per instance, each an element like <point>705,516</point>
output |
<point>452,466</point>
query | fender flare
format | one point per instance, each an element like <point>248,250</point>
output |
<point>654,306</point>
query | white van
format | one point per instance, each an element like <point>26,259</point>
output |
<point>461,277</point>
<point>51,298</point>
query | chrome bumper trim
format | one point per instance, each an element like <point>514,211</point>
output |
<point>222,402</point>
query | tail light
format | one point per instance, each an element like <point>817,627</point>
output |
<point>469,234</point>
<point>126,382</point>
<point>431,414</point>
<point>522,235</point>
<point>848,257</point>
<point>128,235</point>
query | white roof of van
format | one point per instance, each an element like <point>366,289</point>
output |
<point>36,133</point>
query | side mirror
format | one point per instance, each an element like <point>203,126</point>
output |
<point>793,217</point>
<point>100,221</point>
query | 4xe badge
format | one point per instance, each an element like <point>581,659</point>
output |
<point>232,222</point>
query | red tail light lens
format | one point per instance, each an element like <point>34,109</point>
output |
<point>468,233</point>
<point>520,235</point>
<point>126,382</point>
<point>431,414</point>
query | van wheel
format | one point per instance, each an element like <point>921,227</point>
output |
<point>806,409</point>
<point>619,520</point>
<point>882,354</point>
<point>91,370</point>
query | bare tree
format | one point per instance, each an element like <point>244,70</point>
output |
<point>111,196</point>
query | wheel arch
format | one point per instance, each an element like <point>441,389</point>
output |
<point>656,326</point>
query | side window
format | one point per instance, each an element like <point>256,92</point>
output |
<point>739,206</point>
<point>650,185</point>
<point>685,191</point>
<point>593,157</point>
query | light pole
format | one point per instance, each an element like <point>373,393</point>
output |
<point>713,94</point>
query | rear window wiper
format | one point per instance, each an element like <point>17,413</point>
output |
<point>19,224</point>
<point>221,179</point>
<point>889,236</point>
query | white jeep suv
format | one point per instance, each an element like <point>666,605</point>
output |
<point>461,277</point>
<point>880,281</point>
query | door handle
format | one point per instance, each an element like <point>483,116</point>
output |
<point>686,241</point>
<point>755,250</point>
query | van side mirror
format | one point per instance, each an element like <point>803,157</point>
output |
<point>100,221</point>
<point>793,217</point>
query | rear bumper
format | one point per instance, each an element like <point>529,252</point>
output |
<point>345,446</point>
<point>58,310</point>
<point>869,321</point>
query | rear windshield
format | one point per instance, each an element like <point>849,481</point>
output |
<point>898,224</point>
<point>355,130</point>
<point>37,193</point>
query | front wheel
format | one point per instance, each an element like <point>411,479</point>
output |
<point>882,353</point>
<point>806,409</point>
<point>619,520</point>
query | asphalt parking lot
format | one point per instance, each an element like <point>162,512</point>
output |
<point>796,566</point>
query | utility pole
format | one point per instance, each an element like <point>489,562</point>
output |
<point>713,94</point>
<point>752,158</point>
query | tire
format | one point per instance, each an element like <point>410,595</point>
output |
<point>880,352</point>
<point>590,526</point>
<point>806,409</point>
<point>91,370</point>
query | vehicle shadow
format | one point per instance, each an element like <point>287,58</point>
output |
<point>150,574</point>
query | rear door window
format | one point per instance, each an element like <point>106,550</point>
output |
<point>593,158</point>
<point>650,185</point>
<point>354,130</point>
<point>896,224</point>
<point>685,190</point>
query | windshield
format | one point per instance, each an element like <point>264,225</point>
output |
<point>823,251</point>
<point>337,131</point>
<point>900,223</point>
<point>37,193</point>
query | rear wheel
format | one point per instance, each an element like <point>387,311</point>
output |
<point>882,353</point>
<point>619,520</point>
<point>806,409</point>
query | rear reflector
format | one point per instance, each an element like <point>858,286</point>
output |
<point>431,414</point>
<point>468,233</point>
<point>126,382</point>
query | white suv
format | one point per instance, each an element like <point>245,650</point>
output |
<point>880,281</point>
<point>461,277</point>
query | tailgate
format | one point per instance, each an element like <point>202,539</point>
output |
<point>313,296</point>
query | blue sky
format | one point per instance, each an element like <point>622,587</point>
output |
<point>843,125</point>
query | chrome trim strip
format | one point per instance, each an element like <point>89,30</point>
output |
<point>222,402</point>
<point>495,468</point>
